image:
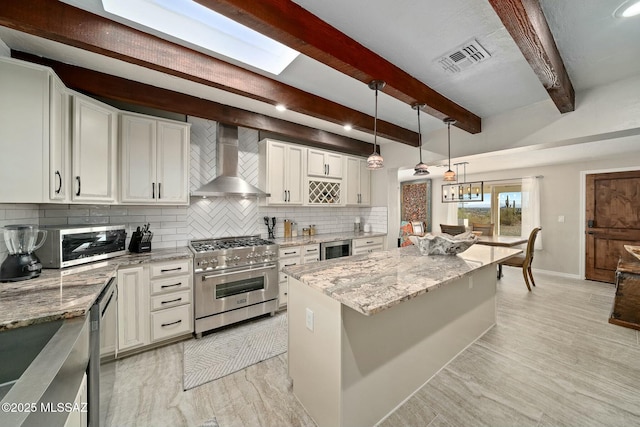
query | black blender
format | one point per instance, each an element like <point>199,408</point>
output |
<point>21,263</point>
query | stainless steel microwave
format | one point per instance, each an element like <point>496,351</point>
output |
<point>69,245</point>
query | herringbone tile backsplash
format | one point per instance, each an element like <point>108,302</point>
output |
<point>174,226</point>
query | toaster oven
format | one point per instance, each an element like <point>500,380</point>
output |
<point>69,245</point>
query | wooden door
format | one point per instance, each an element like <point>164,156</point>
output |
<point>613,220</point>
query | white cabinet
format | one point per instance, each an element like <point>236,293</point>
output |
<point>358,182</point>
<point>281,172</point>
<point>94,155</point>
<point>79,417</point>
<point>324,163</point>
<point>287,257</point>
<point>154,160</point>
<point>171,306</point>
<point>133,308</point>
<point>367,245</point>
<point>59,142</point>
<point>310,253</point>
<point>24,132</point>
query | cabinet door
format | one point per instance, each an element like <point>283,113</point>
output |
<point>353,181</point>
<point>365,183</point>
<point>138,154</point>
<point>293,168</point>
<point>59,143</point>
<point>315,163</point>
<point>276,175</point>
<point>133,308</point>
<point>334,165</point>
<point>172,163</point>
<point>93,150</point>
<point>24,132</point>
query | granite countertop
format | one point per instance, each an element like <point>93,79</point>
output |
<point>321,238</point>
<point>69,292</point>
<point>374,282</point>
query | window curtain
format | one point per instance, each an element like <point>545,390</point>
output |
<point>531,208</point>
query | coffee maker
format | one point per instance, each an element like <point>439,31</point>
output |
<point>21,242</point>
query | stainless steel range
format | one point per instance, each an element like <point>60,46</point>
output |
<point>235,278</point>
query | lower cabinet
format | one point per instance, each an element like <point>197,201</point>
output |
<point>79,418</point>
<point>293,256</point>
<point>367,245</point>
<point>154,303</point>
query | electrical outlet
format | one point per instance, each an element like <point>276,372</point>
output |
<point>560,218</point>
<point>309,319</point>
<point>470,282</point>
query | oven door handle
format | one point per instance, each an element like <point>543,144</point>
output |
<point>213,276</point>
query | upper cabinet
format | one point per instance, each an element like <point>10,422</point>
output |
<point>324,164</point>
<point>358,182</point>
<point>93,150</point>
<point>59,143</point>
<point>154,160</point>
<point>281,172</point>
<point>24,132</point>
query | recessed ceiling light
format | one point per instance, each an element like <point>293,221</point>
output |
<point>201,26</point>
<point>347,127</point>
<point>281,107</point>
<point>628,9</point>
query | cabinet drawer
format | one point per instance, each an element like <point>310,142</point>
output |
<point>171,322</point>
<point>371,241</point>
<point>170,284</point>
<point>169,268</point>
<point>283,293</point>
<point>366,249</point>
<point>170,300</point>
<point>290,252</point>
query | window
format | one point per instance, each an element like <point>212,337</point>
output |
<point>502,206</point>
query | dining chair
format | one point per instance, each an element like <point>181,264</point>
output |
<point>452,229</point>
<point>525,260</point>
<point>487,229</point>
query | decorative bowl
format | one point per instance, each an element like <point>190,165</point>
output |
<point>444,244</point>
<point>633,250</point>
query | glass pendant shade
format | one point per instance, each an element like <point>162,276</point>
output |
<point>375,160</point>
<point>449,176</point>
<point>420,169</point>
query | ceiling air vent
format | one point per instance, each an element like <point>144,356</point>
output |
<point>463,57</point>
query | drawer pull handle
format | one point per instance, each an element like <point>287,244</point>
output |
<point>173,300</point>
<point>312,250</point>
<point>170,286</point>
<point>166,270</point>
<point>172,323</point>
<point>289,253</point>
<point>289,265</point>
<point>369,242</point>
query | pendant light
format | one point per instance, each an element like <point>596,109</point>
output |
<point>374,161</point>
<point>421,168</point>
<point>449,175</point>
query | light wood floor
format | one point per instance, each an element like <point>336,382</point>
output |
<point>551,360</point>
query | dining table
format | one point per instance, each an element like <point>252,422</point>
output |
<point>503,241</point>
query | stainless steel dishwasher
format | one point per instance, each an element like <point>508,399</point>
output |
<point>100,377</point>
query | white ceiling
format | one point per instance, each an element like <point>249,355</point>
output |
<point>597,49</point>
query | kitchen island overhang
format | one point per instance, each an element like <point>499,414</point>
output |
<point>366,332</point>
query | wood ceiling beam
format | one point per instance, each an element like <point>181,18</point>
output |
<point>292,25</point>
<point>66,24</point>
<point>525,21</point>
<point>132,92</point>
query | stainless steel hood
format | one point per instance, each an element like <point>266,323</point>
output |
<point>227,183</point>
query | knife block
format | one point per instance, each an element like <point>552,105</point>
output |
<point>140,242</point>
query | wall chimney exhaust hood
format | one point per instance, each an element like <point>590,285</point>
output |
<point>227,183</point>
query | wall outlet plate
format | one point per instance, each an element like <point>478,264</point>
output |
<point>309,319</point>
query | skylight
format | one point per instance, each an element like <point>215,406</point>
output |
<point>196,24</point>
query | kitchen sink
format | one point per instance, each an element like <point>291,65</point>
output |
<point>42,365</point>
<point>19,349</point>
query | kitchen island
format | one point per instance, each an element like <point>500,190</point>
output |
<point>366,332</point>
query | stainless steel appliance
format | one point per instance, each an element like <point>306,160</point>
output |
<point>100,378</point>
<point>235,278</point>
<point>21,242</point>
<point>69,245</point>
<point>337,249</point>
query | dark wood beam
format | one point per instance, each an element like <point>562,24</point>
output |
<point>292,25</point>
<point>525,21</point>
<point>129,91</point>
<point>66,24</point>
